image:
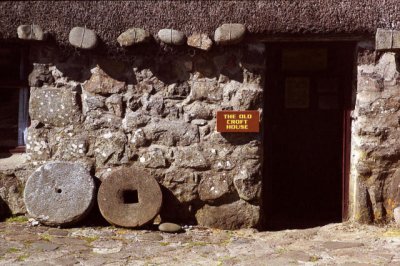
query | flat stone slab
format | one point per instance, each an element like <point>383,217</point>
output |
<point>340,245</point>
<point>129,197</point>
<point>59,193</point>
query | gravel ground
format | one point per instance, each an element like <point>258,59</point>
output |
<point>334,244</point>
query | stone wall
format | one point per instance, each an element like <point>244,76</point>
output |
<point>156,110</point>
<point>375,179</point>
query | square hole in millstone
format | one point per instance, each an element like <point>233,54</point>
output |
<point>130,196</point>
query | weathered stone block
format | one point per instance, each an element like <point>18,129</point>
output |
<point>248,181</point>
<point>386,39</point>
<point>83,38</point>
<point>98,120</point>
<point>387,68</point>
<point>101,83</point>
<point>190,157</point>
<point>154,104</point>
<point>229,33</point>
<point>129,197</point>
<point>171,36</point>
<point>92,102</point>
<point>242,97</point>
<point>177,91</point>
<point>110,147</point>
<point>54,106</point>
<point>11,200</point>
<point>236,215</point>
<point>171,133</point>
<point>71,148</point>
<point>40,75</point>
<point>134,120</point>
<point>59,193</point>
<point>133,36</point>
<point>115,105</point>
<point>215,185</point>
<point>30,32</point>
<point>199,110</point>
<point>37,145</point>
<point>200,41</point>
<point>154,157</point>
<point>208,91</point>
<point>182,183</point>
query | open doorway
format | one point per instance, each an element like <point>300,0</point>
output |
<point>307,98</point>
<point>14,95</point>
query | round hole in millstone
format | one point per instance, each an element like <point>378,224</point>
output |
<point>129,197</point>
<point>59,193</point>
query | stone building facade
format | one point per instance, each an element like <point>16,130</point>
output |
<point>153,104</point>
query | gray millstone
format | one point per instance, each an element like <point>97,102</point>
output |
<point>117,193</point>
<point>171,36</point>
<point>83,38</point>
<point>229,33</point>
<point>59,193</point>
<point>133,36</point>
<point>170,227</point>
<point>30,32</point>
<point>396,214</point>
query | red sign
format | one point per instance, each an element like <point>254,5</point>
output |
<point>238,121</point>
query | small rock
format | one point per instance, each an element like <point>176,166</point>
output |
<point>229,33</point>
<point>200,41</point>
<point>101,83</point>
<point>171,36</point>
<point>133,36</point>
<point>83,38</point>
<point>169,227</point>
<point>30,32</point>
<point>396,214</point>
<point>33,222</point>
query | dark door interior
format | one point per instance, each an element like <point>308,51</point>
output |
<point>307,88</point>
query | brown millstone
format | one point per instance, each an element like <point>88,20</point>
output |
<point>117,201</point>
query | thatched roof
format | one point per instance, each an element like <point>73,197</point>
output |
<point>110,18</point>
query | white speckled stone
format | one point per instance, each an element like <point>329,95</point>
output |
<point>59,193</point>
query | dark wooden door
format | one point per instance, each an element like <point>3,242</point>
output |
<point>306,94</point>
